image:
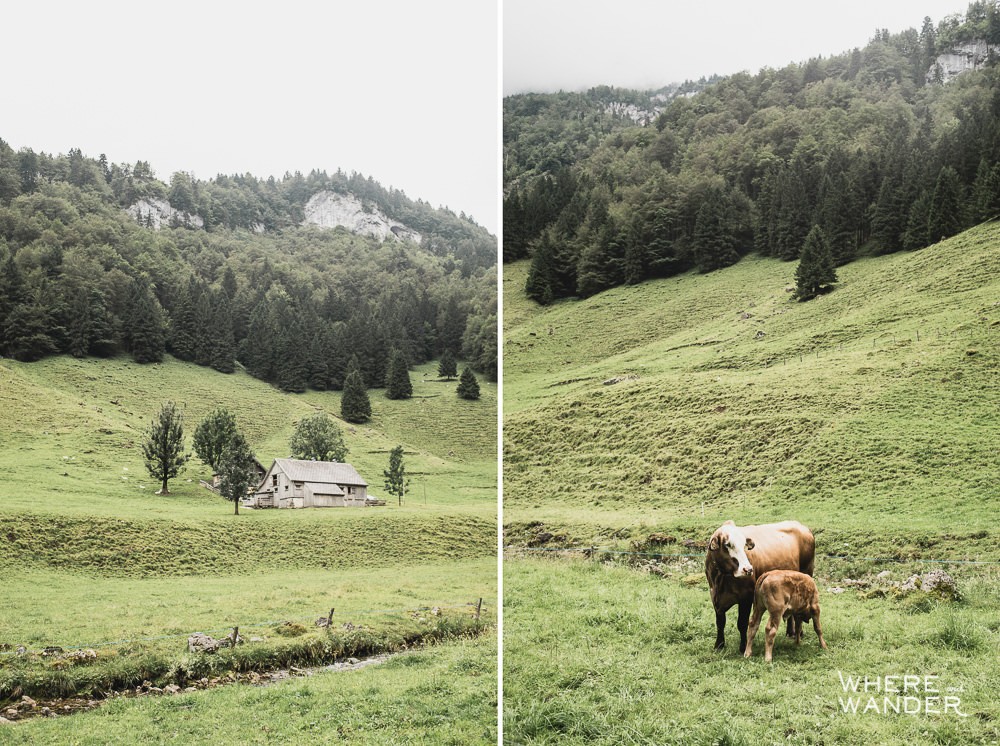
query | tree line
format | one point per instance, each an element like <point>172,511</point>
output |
<point>292,304</point>
<point>868,146</point>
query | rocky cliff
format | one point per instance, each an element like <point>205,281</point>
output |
<point>154,213</point>
<point>330,209</point>
<point>968,56</point>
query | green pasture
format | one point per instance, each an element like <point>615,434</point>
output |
<point>443,694</point>
<point>70,434</point>
<point>604,654</point>
<point>874,404</point>
<point>871,414</point>
<point>96,560</point>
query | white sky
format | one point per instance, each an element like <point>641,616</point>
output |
<point>403,91</point>
<point>550,45</point>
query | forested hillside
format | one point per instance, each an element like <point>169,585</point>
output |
<point>233,275</point>
<point>876,146</point>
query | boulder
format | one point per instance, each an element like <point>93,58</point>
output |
<point>202,643</point>
<point>938,581</point>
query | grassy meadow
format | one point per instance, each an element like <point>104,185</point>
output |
<point>602,654</point>
<point>97,560</point>
<point>442,694</point>
<point>870,414</point>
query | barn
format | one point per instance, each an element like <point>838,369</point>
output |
<point>293,483</point>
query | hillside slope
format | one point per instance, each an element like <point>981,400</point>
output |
<point>875,403</point>
<point>71,454</point>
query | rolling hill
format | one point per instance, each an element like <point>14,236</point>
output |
<point>129,574</point>
<point>686,401</point>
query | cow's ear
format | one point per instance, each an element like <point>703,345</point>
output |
<point>749,544</point>
<point>728,523</point>
<point>714,543</point>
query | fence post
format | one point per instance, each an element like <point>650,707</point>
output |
<point>234,637</point>
<point>329,619</point>
<point>479,608</point>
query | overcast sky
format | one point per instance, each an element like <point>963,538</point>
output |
<point>403,91</point>
<point>550,45</point>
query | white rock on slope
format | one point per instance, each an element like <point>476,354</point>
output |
<point>160,212</point>
<point>329,210</point>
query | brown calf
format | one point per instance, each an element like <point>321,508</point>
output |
<point>786,594</point>
<point>736,555</point>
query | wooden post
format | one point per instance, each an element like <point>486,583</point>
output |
<point>234,637</point>
<point>329,619</point>
<point>479,608</point>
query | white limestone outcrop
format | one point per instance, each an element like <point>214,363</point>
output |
<point>331,210</point>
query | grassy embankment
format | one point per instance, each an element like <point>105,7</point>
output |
<point>870,414</point>
<point>95,556</point>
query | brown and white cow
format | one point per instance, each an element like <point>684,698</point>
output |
<point>785,594</point>
<point>737,556</point>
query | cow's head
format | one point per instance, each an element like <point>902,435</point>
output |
<point>729,547</point>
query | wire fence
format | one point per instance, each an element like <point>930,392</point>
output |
<point>475,607</point>
<point>598,550</point>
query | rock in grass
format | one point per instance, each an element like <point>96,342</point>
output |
<point>202,643</point>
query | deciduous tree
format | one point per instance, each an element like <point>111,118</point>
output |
<point>318,438</point>
<point>212,435</point>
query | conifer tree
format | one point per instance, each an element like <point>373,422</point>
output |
<point>538,286</point>
<point>163,448</point>
<point>237,471</point>
<point>79,323</point>
<point>395,476</point>
<point>468,386</point>
<point>397,377</point>
<point>815,270</point>
<point>714,245</point>
<point>146,332</point>
<point>354,403</point>
<point>448,366</point>
<point>223,342</point>
<point>944,216</point>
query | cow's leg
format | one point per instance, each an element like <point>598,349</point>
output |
<point>758,612</point>
<point>790,631</point>
<point>742,621</point>
<point>819,633</point>
<point>720,628</point>
<point>798,631</point>
<point>773,622</point>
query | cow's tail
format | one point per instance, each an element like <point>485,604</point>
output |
<point>807,561</point>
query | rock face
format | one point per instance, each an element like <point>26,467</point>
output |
<point>329,210</point>
<point>969,56</point>
<point>157,212</point>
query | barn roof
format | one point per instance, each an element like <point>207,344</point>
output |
<point>324,472</point>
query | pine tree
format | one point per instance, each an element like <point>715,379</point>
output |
<point>397,377</point>
<point>448,366</point>
<point>354,403</point>
<point>237,470</point>
<point>714,245</point>
<point>468,386</point>
<point>80,324</point>
<point>815,270</point>
<point>223,341</point>
<point>163,448</point>
<point>395,476</point>
<point>146,334</point>
<point>915,236</point>
<point>538,286</point>
<point>944,217</point>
